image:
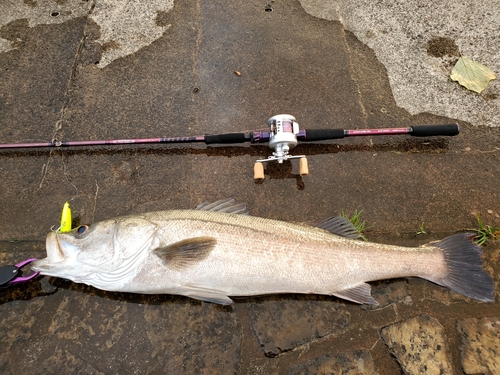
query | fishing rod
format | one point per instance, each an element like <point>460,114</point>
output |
<point>283,135</point>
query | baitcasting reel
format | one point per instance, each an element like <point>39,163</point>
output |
<point>283,131</point>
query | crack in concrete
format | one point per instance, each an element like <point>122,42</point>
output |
<point>196,76</point>
<point>354,79</point>
<point>72,74</point>
<point>59,123</point>
<point>195,56</point>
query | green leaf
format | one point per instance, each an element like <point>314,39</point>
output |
<point>471,74</point>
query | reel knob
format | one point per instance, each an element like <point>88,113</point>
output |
<point>258,171</point>
<point>303,167</point>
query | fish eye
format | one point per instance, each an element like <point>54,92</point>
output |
<point>82,230</point>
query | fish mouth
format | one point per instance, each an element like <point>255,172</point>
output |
<point>55,257</point>
<point>40,265</point>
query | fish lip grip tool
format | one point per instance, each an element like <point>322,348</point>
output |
<point>11,275</point>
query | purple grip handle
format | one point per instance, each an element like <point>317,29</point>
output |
<point>22,279</point>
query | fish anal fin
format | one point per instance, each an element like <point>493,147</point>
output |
<point>359,294</point>
<point>205,294</point>
<point>185,253</point>
<point>340,226</point>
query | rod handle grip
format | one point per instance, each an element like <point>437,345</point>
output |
<point>226,138</point>
<point>430,130</point>
<point>323,134</point>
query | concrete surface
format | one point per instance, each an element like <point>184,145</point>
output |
<point>91,72</point>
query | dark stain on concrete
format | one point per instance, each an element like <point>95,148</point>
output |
<point>162,18</point>
<point>15,32</point>
<point>31,3</point>
<point>442,46</point>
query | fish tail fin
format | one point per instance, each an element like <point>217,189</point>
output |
<point>465,274</point>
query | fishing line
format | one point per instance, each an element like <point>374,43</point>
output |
<point>95,201</point>
<point>67,179</point>
<point>45,168</point>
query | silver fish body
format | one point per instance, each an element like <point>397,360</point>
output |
<point>214,253</point>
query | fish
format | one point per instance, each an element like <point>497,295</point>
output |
<point>218,251</point>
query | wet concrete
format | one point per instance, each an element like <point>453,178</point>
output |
<point>183,83</point>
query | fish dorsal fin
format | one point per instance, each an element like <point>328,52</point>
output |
<point>340,226</point>
<point>202,293</point>
<point>185,253</point>
<point>227,205</point>
<point>359,294</point>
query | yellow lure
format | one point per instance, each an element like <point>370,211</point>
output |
<point>65,218</point>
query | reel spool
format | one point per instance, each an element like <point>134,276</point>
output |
<point>283,130</point>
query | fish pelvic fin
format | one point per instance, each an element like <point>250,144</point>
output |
<point>185,253</point>
<point>359,294</point>
<point>464,272</point>
<point>205,294</point>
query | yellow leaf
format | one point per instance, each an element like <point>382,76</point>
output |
<point>471,74</point>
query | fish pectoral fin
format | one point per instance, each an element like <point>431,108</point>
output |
<point>204,294</point>
<point>359,294</point>
<point>185,253</point>
<point>339,226</point>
